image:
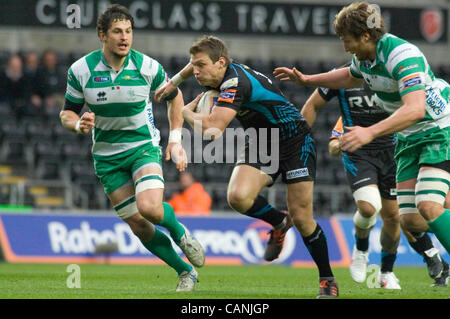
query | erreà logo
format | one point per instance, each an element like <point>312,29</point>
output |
<point>101,96</point>
<point>431,24</point>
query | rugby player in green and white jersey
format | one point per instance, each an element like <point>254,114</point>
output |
<point>115,83</point>
<point>399,74</point>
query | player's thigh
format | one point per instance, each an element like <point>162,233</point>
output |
<point>410,218</point>
<point>360,170</point>
<point>149,188</point>
<point>247,181</point>
<point>124,201</point>
<point>386,174</point>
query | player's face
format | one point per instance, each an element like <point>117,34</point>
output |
<point>207,72</point>
<point>361,47</point>
<point>119,38</point>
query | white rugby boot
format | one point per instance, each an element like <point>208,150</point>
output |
<point>192,249</point>
<point>187,280</point>
<point>358,267</point>
<point>388,280</point>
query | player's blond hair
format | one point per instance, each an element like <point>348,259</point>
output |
<point>213,46</point>
<point>359,18</point>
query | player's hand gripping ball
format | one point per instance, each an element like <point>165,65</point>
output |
<point>207,102</point>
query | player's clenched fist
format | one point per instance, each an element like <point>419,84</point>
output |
<point>86,121</point>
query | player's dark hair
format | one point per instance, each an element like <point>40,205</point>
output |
<point>213,46</point>
<point>113,12</point>
<point>359,18</point>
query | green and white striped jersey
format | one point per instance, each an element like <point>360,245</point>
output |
<point>121,101</point>
<point>399,68</point>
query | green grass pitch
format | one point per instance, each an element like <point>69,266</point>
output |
<point>103,281</point>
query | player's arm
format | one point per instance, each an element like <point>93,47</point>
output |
<point>209,126</point>
<point>336,79</point>
<point>73,105</point>
<point>174,107</point>
<point>174,148</point>
<point>81,125</point>
<point>174,82</point>
<point>412,110</point>
<point>314,103</point>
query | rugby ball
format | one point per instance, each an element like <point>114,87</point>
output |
<point>207,102</point>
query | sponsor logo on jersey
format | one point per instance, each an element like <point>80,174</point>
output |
<point>127,77</point>
<point>402,68</point>
<point>435,101</point>
<point>301,172</point>
<point>227,96</point>
<point>336,133</point>
<point>131,96</point>
<point>411,80</point>
<point>233,82</point>
<point>99,79</point>
<point>101,96</point>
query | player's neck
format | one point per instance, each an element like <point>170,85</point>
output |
<point>113,60</point>
<point>219,80</point>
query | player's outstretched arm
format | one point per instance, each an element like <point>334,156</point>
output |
<point>71,121</point>
<point>174,82</point>
<point>336,79</point>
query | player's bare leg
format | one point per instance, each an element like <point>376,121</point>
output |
<point>300,206</point>
<point>244,187</point>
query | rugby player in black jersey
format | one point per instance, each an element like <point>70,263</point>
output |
<point>258,104</point>
<point>371,175</point>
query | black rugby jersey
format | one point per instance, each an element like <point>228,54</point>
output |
<point>261,104</point>
<point>359,108</point>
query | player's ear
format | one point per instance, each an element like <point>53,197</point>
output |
<point>222,61</point>
<point>366,37</point>
<point>101,36</point>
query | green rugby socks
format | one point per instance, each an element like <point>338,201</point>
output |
<point>171,223</point>
<point>161,246</point>
<point>441,229</point>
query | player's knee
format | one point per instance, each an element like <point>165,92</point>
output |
<point>429,210</point>
<point>368,200</point>
<point>151,209</point>
<point>412,223</point>
<point>239,201</point>
<point>301,215</point>
<point>431,190</point>
<point>391,219</point>
<point>366,209</point>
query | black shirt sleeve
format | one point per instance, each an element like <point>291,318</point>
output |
<point>70,106</point>
<point>326,93</point>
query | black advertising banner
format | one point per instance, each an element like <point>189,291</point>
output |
<point>253,18</point>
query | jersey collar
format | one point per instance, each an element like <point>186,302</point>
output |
<point>125,63</point>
